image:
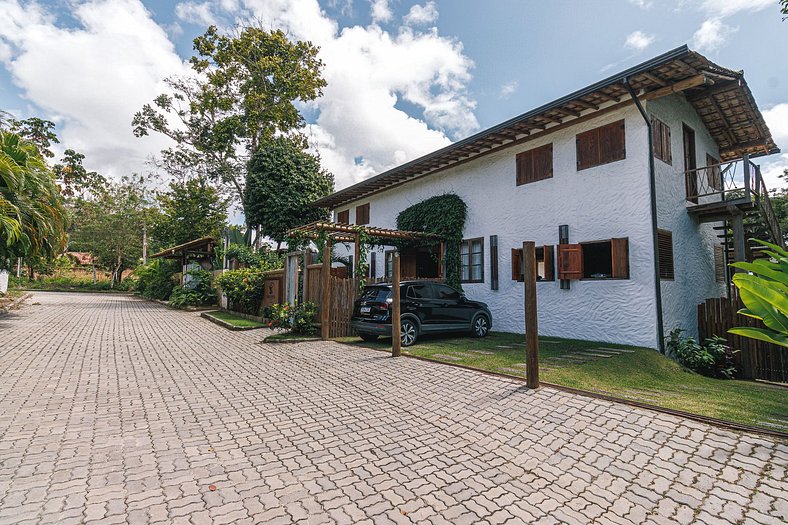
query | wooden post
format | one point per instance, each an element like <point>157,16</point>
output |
<point>739,239</point>
<point>305,280</point>
<point>356,255</point>
<point>531,325</point>
<point>396,342</point>
<point>325,303</point>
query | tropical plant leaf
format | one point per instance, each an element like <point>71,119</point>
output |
<point>761,334</point>
<point>760,268</point>
<point>763,301</point>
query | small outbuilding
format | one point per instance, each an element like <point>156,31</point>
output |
<point>193,255</point>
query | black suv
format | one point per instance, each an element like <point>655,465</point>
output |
<point>426,307</point>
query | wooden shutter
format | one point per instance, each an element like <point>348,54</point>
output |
<point>713,173</point>
<point>570,261</point>
<point>343,217</point>
<point>517,264</point>
<point>660,138</point>
<point>719,264</point>
<point>620,255</point>
<point>665,254</point>
<point>612,144</point>
<point>493,262</point>
<point>362,214</point>
<point>534,165</point>
<point>372,268</point>
<point>587,149</point>
<point>549,263</point>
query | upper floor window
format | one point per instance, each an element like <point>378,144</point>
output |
<point>665,254</point>
<point>535,164</point>
<point>362,214</point>
<point>343,217</point>
<point>601,145</point>
<point>472,260</point>
<point>660,139</point>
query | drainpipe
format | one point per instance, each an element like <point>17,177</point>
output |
<point>653,192</point>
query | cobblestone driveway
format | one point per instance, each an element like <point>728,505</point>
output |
<point>115,410</point>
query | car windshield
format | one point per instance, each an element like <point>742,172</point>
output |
<point>376,294</point>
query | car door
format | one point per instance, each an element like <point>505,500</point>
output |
<point>456,311</point>
<point>420,301</point>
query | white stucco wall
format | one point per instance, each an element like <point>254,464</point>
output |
<point>599,203</point>
<point>693,243</point>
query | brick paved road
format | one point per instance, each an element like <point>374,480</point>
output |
<point>116,410</point>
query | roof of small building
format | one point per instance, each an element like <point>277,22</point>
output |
<point>197,245</point>
<point>720,96</point>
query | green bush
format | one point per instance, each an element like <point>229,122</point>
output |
<point>300,319</point>
<point>155,280</point>
<point>196,292</point>
<point>76,283</point>
<point>713,358</point>
<point>244,289</point>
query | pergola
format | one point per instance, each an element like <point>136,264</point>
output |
<point>197,249</point>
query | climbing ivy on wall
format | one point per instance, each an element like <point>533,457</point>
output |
<point>443,215</point>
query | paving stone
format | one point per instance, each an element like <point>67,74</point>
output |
<point>118,410</point>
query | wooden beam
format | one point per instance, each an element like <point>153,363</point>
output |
<point>682,85</point>
<point>655,79</point>
<point>325,303</point>
<point>583,103</point>
<point>531,324</point>
<point>396,340</point>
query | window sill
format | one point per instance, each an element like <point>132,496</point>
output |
<point>472,282</point>
<point>604,279</point>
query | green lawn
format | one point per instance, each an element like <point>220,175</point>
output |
<point>235,320</point>
<point>636,374</point>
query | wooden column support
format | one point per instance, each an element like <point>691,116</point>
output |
<point>531,325</point>
<point>325,302</point>
<point>396,341</point>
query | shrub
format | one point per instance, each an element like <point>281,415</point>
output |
<point>74,282</point>
<point>196,292</point>
<point>155,279</point>
<point>299,319</point>
<point>244,288</point>
<point>713,358</point>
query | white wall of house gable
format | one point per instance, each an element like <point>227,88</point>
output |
<point>599,203</point>
<point>693,243</point>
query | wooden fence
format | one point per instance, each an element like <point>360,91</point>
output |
<point>756,359</point>
<point>343,295</point>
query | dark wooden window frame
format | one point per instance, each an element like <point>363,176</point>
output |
<point>362,214</point>
<point>388,256</point>
<point>343,217</point>
<point>528,167</point>
<point>665,257</point>
<point>611,241</point>
<point>548,256</point>
<point>660,138</point>
<point>470,242</point>
<point>594,137</point>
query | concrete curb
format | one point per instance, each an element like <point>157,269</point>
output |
<point>225,324</point>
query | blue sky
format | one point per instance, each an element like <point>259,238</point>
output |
<point>404,77</point>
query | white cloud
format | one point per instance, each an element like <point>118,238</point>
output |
<point>643,4</point>
<point>196,13</point>
<point>381,11</point>
<point>773,166</point>
<point>91,79</point>
<point>422,14</point>
<point>638,40</point>
<point>712,35</point>
<point>723,8</point>
<point>508,89</point>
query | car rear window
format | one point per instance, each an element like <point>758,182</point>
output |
<point>376,294</point>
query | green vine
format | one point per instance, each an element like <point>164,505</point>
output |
<point>442,215</point>
<point>365,244</point>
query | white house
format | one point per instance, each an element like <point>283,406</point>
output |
<point>617,230</point>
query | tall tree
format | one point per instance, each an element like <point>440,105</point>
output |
<point>244,92</point>
<point>32,216</point>
<point>283,181</point>
<point>189,210</point>
<point>38,131</point>
<point>110,225</point>
<point>73,178</point>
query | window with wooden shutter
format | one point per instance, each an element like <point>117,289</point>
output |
<point>535,165</point>
<point>343,217</point>
<point>660,139</point>
<point>713,173</point>
<point>665,254</point>
<point>620,256</point>
<point>601,145</point>
<point>605,259</point>
<point>719,264</point>
<point>570,261</point>
<point>545,263</point>
<point>362,214</point>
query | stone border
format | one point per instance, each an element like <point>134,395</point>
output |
<point>291,340</point>
<point>728,425</point>
<point>16,303</point>
<point>225,324</point>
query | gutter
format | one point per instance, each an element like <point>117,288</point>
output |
<point>653,199</point>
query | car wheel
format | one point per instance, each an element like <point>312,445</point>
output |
<point>481,326</point>
<point>368,337</point>
<point>408,332</point>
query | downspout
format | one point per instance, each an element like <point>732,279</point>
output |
<point>653,192</point>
